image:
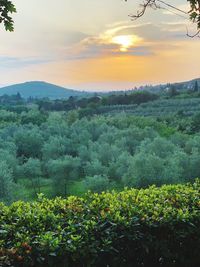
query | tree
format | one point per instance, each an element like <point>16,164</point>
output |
<point>33,116</point>
<point>32,171</point>
<point>72,116</point>
<point>144,170</point>
<point>6,183</point>
<point>62,171</point>
<point>29,142</point>
<point>196,87</point>
<point>9,157</point>
<point>97,183</point>
<point>95,167</point>
<point>7,8</point>
<point>173,91</point>
<point>56,147</point>
<point>195,123</point>
<point>193,10</point>
<point>7,116</point>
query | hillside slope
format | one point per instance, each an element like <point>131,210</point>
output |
<point>40,90</point>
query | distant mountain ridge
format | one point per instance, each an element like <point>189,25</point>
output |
<point>180,86</point>
<point>41,89</point>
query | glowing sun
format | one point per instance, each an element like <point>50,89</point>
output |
<point>125,41</point>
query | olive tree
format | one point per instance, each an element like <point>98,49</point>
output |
<point>6,183</point>
<point>96,183</point>
<point>32,171</point>
<point>63,171</point>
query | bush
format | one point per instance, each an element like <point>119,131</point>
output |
<point>147,227</point>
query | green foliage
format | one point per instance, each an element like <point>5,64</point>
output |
<point>59,153</point>
<point>161,108</point>
<point>147,227</point>
<point>62,171</point>
<point>7,116</point>
<point>7,7</point>
<point>195,123</point>
<point>195,12</point>
<point>33,116</point>
<point>28,142</point>
<point>54,148</point>
<point>97,153</point>
<point>172,91</point>
<point>72,116</point>
<point>6,183</point>
<point>196,86</point>
<point>32,171</point>
<point>137,97</point>
<point>97,183</point>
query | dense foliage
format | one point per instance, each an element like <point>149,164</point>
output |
<point>67,147</point>
<point>7,8</point>
<point>147,227</point>
<point>60,153</point>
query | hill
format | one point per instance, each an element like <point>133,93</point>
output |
<point>40,90</point>
<point>188,84</point>
<point>179,86</point>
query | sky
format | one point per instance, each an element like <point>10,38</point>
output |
<point>94,45</point>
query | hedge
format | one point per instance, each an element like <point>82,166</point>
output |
<point>147,227</point>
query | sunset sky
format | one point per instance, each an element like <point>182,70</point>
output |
<point>93,45</point>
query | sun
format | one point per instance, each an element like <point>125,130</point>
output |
<point>125,41</point>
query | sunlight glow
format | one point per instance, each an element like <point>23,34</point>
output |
<point>125,41</point>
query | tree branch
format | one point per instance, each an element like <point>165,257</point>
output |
<point>193,13</point>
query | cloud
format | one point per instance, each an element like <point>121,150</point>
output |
<point>113,41</point>
<point>125,38</point>
<point>15,62</point>
<point>72,43</point>
<point>74,37</point>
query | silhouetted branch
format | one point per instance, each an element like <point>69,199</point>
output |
<point>197,34</point>
<point>144,6</point>
<point>193,13</point>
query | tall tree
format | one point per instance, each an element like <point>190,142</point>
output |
<point>196,86</point>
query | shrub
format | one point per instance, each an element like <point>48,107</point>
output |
<point>147,227</point>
